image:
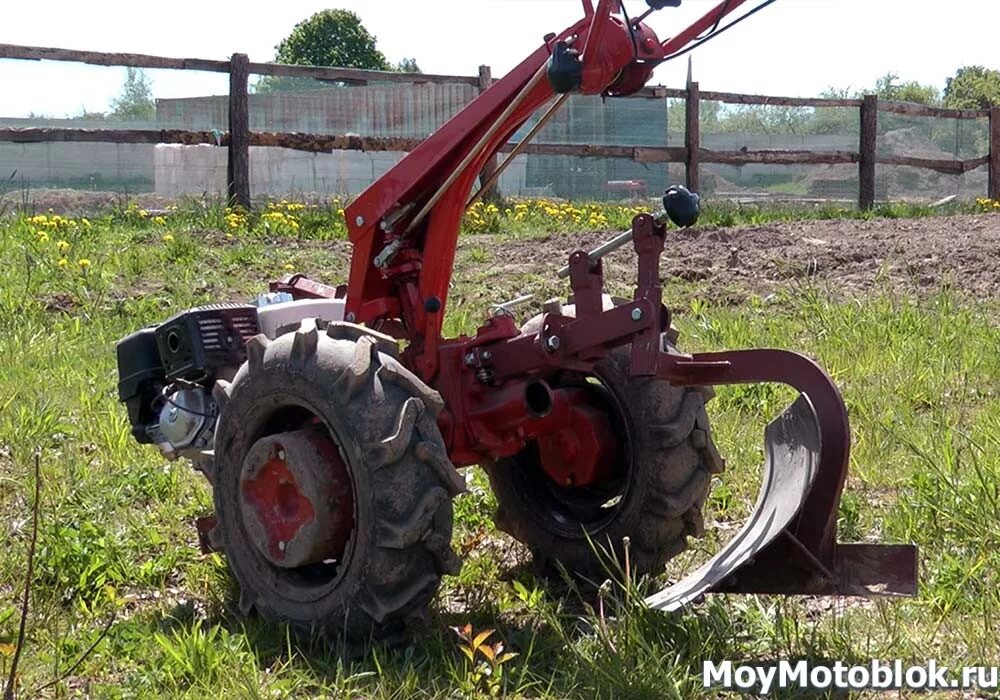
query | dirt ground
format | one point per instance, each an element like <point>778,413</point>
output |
<point>848,256</point>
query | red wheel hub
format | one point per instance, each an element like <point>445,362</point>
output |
<point>297,498</point>
<point>580,449</point>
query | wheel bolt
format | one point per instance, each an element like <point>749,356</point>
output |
<point>553,343</point>
<point>636,314</point>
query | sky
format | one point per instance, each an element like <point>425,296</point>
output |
<point>793,48</point>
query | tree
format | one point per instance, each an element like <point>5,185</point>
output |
<point>135,101</point>
<point>762,119</point>
<point>408,65</point>
<point>973,87</point>
<point>331,38</point>
<point>328,38</point>
<point>889,88</point>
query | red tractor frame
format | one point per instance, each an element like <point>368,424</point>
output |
<point>325,441</point>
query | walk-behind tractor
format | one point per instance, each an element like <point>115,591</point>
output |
<point>332,421</point>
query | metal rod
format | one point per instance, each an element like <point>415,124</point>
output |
<point>611,246</point>
<point>638,20</point>
<point>518,149</point>
<point>478,148</point>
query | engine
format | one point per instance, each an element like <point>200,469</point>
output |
<point>166,374</point>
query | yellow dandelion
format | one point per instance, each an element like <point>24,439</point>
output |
<point>63,262</point>
<point>63,246</point>
<point>43,237</point>
<point>168,238</point>
<point>289,267</point>
<point>84,263</point>
<point>159,221</point>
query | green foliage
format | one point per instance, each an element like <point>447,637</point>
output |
<point>973,87</point>
<point>408,65</point>
<point>889,87</point>
<point>135,101</point>
<point>760,119</point>
<point>331,38</point>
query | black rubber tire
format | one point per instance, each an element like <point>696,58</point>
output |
<point>384,420</point>
<point>665,468</point>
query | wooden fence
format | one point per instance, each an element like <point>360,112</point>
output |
<point>238,139</point>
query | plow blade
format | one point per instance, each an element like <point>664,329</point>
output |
<point>770,556</point>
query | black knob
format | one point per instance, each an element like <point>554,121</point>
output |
<point>682,206</point>
<point>565,69</point>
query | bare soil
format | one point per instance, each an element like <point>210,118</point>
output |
<point>846,256</point>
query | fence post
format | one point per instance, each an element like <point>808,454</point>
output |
<point>492,194</point>
<point>868,152</point>
<point>994,153</point>
<point>238,170</point>
<point>692,135</point>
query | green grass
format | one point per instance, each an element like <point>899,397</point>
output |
<point>117,538</point>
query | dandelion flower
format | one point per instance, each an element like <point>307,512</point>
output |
<point>289,267</point>
<point>84,263</point>
<point>63,246</point>
<point>63,262</point>
<point>167,238</point>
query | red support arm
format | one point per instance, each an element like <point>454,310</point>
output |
<point>401,268</point>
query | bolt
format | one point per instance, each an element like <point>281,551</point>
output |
<point>470,359</point>
<point>281,546</point>
<point>360,221</point>
<point>487,355</point>
<point>552,344</point>
<point>350,317</point>
<point>281,455</point>
<point>172,416</point>
<point>636,314</point>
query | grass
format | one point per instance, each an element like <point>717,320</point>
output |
<point>117,541</point>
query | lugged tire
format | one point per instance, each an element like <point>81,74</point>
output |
<point>384,420</point>
<point>671,458</point>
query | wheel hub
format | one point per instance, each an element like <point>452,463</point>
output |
<point>582,451</point>
<point>297,499</point>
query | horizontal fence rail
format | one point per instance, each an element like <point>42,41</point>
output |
<point>238,138</point>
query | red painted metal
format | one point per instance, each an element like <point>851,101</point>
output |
<point>494,384</point>
<point>283,509</point>
<point>298,500</point>
<point>484,380</point>
<point>301,287</point>
<point>578,447</point>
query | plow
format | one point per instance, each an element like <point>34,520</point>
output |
<point>332,421</point>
